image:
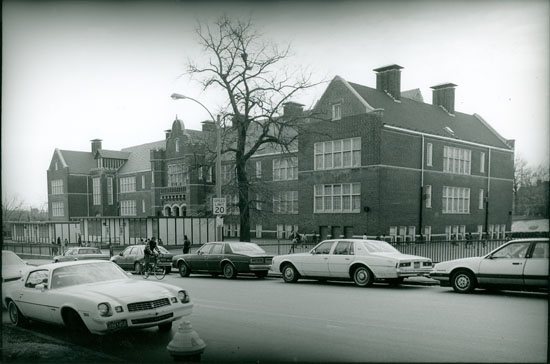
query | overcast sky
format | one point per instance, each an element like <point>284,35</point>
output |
<point>75,71</point>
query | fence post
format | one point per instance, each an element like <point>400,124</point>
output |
<point>278,246</point>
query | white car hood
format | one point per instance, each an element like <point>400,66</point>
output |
<point>472,262</point>
<point>127,291</point>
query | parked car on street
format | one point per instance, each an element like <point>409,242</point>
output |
<point>95,296</point>
<point>520,264</point>
<point>363,261</point>
<point>133,258</point>
<point>81,253</point>
<point>227,258</point>
<point>13,269</point>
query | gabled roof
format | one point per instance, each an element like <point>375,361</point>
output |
<point>140,157</point>
<point>413,94</point>
<point>431,119</point>
<point>114,154</point>
<point>78,162</point>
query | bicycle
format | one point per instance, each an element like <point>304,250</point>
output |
<point>156,269</point>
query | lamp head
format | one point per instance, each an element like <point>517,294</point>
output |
<point>176,96</point>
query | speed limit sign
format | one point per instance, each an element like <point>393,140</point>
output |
<point>219,206</point>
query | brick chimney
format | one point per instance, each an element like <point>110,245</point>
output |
<point>168,133</point>
<point>96,145</point>
<point>444,95</point>
<point>388,79</point>
<point>292,109</point>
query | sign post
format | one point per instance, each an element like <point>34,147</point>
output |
<point>219,208</point>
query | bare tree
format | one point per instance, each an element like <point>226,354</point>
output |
<point>12,208</point>
<point>251,73</point>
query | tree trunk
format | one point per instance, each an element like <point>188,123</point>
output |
<point>244,211</point>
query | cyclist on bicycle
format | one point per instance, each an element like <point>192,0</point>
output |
<point>151,250</point>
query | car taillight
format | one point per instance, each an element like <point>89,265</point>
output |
<point>427,264</point>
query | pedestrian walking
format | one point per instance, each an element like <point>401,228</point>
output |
<point>468,240</point>
<point>59,246</point>
<point>295,238</point>
<point>186,245</point>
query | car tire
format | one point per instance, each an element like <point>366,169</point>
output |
<point>261,274</point>
<point>229,271</point>
<point>138,267</point>
<point>184,270</point>
<point>165,327</point>
<point>16,317</point>
<point>74,322</point>
<point>363,277</point>
<point>290,274</point>
<point>463,281</point>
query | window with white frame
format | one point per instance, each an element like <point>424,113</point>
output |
<point>402,233</point>
<point>58,208</point>
<point>285,202</point>
<point>336,111</point>
<point>143,206</point>
<point>427,233</point>
<point>258,169</point>
<point>393,233</point>
<point>280,231</point>
<point>456,200</point>
<point>56,166</point>
<point>96,190</point>
<point>412,233</point>
<point>285,169</point>
<point>428,196</point>
<point>57,187</point>
<point>491,231</point>
<point>289,229</point>
<point>497,231</point>
<point>128,208</point>
<point>481,199</point>
<point>503,231</point>
<point>201,173</point>
<point>258,231</point>
<point>482,162</point>
<point>232,202</point>
<point>455,233</point>
<point>228,173</point>
<point>258,202</point>
<point>448,231</point>
<point>177,143</point>
<point>209,175</point>
<point>344,197</point>
<point>110,194</point>
<point>333,154</point>
<point>177,175</point>
<point>457,160</point>
<point>127,184</point>
<point>143,182</point>
<point>152,178</point>
<point>462,232</point>
<point>429,152</point>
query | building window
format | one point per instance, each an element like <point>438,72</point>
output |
<point>429,151</point>
<point>428,196</point>
<point>393,233</point>
<point>285,202</point>
<point>333,154</point>
<point>200,173</point>
<point>96,189</point>
<point>258,231</point>
<point>336,111</point>
<point>412,233</point>
<point>177,175</point>
<point>448,231</point>
<point>402,233</point>
<point>177,144</point>
<point>345,197</point>
<point>482,162</point>
<point>128,208</point>
<point>58,209</point>
<point>228,173</point>
<point>462,232</point>
<point>280,231</point>
<point>503,231</point>
<point>481,199</point>
<point>209,175</point>
<point>456,160</point>
<point>143,182</point>
<point>110,190</point>
<point>258,169</point>
<point>128,184</point>
<point>56,166</point>
<point>456,200</point>
<point>57,187</point>
<point>427,233</point>
<point>480,231</point>
<point>258,202</point>
<point>143,206</point>
<point>232,202</point>
<point>152,178</point>
<point>285,169</point>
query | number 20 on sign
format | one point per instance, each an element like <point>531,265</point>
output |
<point>219,206</point>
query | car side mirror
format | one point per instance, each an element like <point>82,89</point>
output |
<point>41,287</point>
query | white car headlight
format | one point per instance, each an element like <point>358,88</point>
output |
<point>104,309</point>
<point>183,297</point>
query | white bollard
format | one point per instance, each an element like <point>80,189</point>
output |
<point>186,342</point>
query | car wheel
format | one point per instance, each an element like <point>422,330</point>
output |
<point>363,277</point>
<point>165,327</point>
<point>74,322</point>
<point>229,271</point>
<point>261,274</point>
<point>290,274</point>
<point>184,270</point>
<point>138,267</point>
<point>16,317</point>
<point>463,282</point>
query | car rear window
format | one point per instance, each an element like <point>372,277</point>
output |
<point>246,248</point>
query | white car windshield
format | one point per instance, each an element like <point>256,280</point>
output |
<point>86,273</point>
<point>378,247</point>
<point>246,248</point>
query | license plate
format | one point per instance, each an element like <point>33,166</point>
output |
<point>112,325</point>
<point>416,265</point>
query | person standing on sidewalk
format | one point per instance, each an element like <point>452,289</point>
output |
<point>186,245</point>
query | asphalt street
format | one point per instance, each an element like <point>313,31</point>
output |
<point>252,320</point>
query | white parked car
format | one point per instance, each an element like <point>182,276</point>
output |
<point>363,261</point>
<point>95,296</point>
<point>517,265</point>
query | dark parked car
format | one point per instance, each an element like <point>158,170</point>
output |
<point>81,254</point>
<point>227,258</point>
<point>133,258</point>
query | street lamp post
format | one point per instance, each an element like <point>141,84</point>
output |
<point>176,96</point>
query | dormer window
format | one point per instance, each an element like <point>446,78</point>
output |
<point>56,166</point>
<point>336,111</point>
<point>177,141</point>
